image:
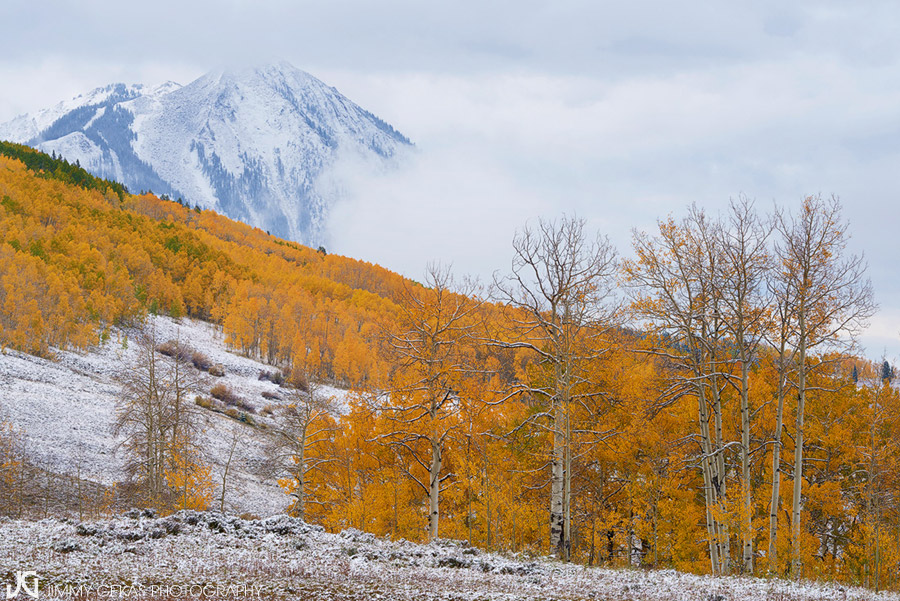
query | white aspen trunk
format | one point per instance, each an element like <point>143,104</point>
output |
<point>877,554</point>
<point>557,484</point>
<point>234,441</point>
<point>434,489</point>
<point>745,465</point>
<point>712,530</point>
<point>396,501</point>
<point>300,458</point>
<point>776,470</point>
<point>487,505</point>
<point>724,535</point>
<point>567,490</point>
<point>798,449</point>
<point>567,401</point>
<point>630,538</point>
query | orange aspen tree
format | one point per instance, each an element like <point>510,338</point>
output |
<point>744,306</point>
<point>832,302</point>
<point>559,292</point>
<point>305,426</point>
<point>189,478</point>
<point>423,401</point>
<point>673,286</point>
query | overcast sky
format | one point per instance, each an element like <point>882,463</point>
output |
<point>621,114</point>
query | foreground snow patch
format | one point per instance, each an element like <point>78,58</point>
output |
<point>212,555</point>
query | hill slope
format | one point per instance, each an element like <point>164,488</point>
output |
<point>67,409</point>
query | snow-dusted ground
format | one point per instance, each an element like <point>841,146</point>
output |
<point>210,555</point>
<point>67,409</point>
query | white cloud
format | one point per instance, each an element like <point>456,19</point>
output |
<point>38,84</point>
<point>452,205</point>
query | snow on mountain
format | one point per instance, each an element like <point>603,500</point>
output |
<point>29,127</point>
<point>257,145</point>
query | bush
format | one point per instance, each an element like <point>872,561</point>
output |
<point>272,376</point>
<point>271,396</point>
<point>203,402</point>
<point>225,394</point>
<point>179,351</point>
<point>201,361</point>
<point>240,416</point>
<point>217,370</point>
<point>300,382</point>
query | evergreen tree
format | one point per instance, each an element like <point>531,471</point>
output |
<point>887,372</point>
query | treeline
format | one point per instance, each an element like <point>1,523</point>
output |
<point>710,418</point>
<point>59,169</point>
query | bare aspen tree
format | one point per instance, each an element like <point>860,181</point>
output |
<point>157,423</point>
<point>303,428</point>
<point>13,467</point>
<point>561,291</point>
<point>236,439</point>
<point>674,286</point>
<point>832,302</point>
<point>140,416</point>
<point>741,287</point>
<point>424,400</point>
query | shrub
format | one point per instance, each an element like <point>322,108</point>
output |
<point>272,396</point>
<point>225,394</point>
<point>203,402</point>
<point>217,370</point>
<point>201,361</point>
<point>232,413</point>
<point>300,382</point>
<point>179,351</point>
<point>272,376</point>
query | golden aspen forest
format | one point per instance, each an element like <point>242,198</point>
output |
<point>694,402</point>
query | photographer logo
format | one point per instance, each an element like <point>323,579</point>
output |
<point>22,585</point>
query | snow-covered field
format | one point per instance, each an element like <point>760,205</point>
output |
<point>67,409</point>
<point>210,555</point>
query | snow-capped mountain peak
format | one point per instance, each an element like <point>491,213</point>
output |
<point>250,143</point>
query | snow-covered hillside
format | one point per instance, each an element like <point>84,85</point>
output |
<point>258,145</point>
<point>209,555</point>
<point>67,409</point>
